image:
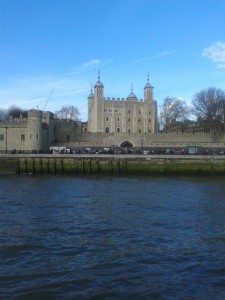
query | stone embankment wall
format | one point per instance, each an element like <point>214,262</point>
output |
<point>113,164</point>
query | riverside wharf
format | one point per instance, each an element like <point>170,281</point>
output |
<point>104,164</point>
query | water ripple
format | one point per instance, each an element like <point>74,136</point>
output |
<point>112,238</point>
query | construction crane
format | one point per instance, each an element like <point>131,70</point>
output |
<point>47,100</point>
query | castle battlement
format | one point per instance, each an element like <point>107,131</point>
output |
<point>34,113</point>
<point>114,99</point>
<point>15,123</point>
<point>119,99</point>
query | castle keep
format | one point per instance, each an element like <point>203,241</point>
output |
<point>120,115</point>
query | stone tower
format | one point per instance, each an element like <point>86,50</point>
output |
<point>35,139</point>
<point>98,106</point>
<point>148,92</point>
<point>121,115</point>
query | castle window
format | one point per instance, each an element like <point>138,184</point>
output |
<point>1,137</point>
<point>30,135</point>
<point>139,130</point>
<point>118,130</point>
<point>149,131</point>
<point>139,120</point>
<point>107,119</point>
<point>118,119</point>
<point>85,129</point>
<point>107,130</point>
<point>22,137</point>
<point>129,120</point>
<point>67,138</point>
<point>149,120</point>
<point>129,112</point>
<point>149,112</point>
<point>139,112</point>
<point>128,130</point>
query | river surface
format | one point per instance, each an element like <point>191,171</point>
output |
<point>112,237</point>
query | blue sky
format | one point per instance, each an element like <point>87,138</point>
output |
<point>60,45</point>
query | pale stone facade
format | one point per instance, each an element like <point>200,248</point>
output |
<point>120,115</point>
<point>32,133</point>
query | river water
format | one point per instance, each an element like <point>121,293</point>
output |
<point>112,237</point>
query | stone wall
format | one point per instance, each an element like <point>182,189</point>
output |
<point>151,140</point>
<point>27,134</point>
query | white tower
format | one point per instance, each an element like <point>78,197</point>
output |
<point>98,106</point>
<point>148,91</point>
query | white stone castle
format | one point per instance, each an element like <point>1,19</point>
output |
<point>120,115</point>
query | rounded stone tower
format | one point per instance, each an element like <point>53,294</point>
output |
<point>34,140</point>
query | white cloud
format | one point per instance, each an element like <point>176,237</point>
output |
<point>91,63</point>
<point>156,56</point>
<point>216,53</point>
<point>162,54</point>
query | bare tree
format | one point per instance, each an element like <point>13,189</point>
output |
<point>3,114</point>
<point>68,112</point>
<point>209,108</point>
<point>15,111</point>
<point>173,111</point>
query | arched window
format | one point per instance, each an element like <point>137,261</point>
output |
<point>118,130</point>
<point>107,130</point>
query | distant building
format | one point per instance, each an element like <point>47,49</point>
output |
<point>31,133</point>
<point>120,115</point>
<point>123,122</point>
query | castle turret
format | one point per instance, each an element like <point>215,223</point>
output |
<point>131,96</point>
<point>35,139</point>
<point>99,106</point>
<point>148,91</point>
<point>91,112</point>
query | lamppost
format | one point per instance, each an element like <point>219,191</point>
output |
<point>6,147</point>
